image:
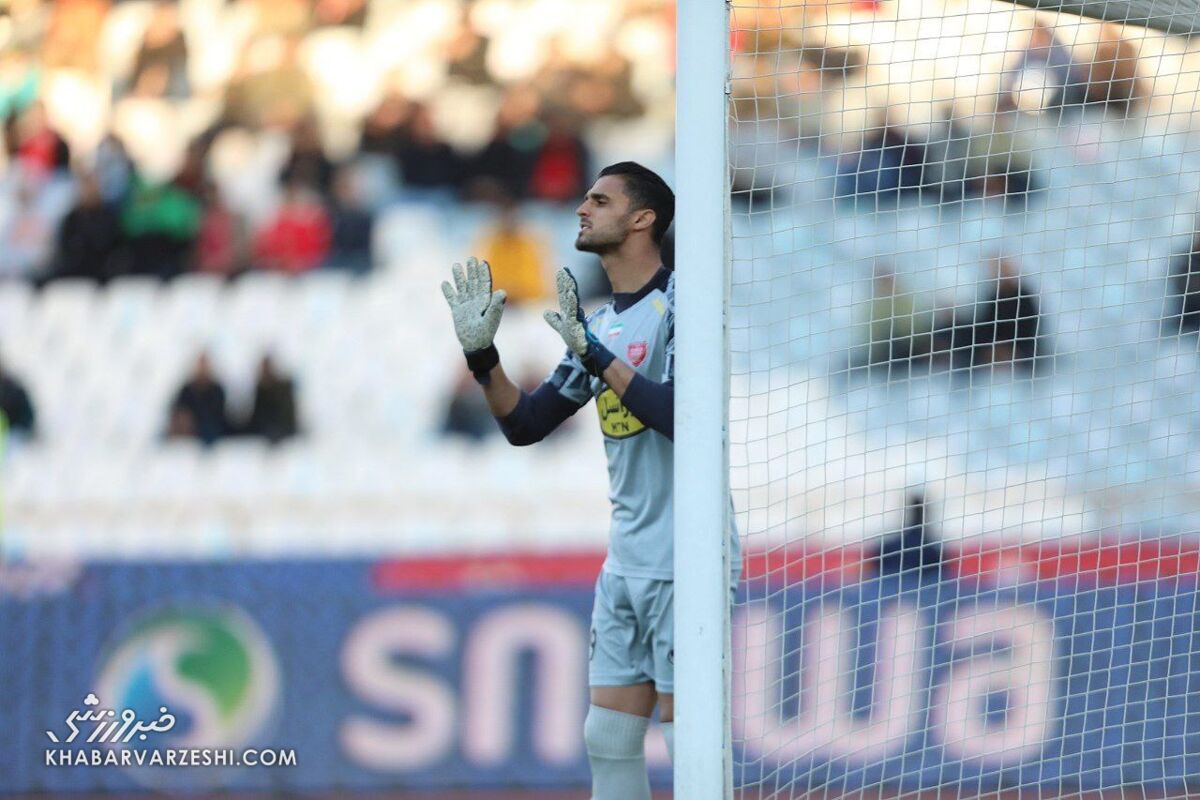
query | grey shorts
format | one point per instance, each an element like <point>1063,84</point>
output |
<point>633,633</point>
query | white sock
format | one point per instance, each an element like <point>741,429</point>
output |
<point>616,748</point>
<point>668,729</point>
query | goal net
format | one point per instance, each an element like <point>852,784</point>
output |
<point>964,407</point>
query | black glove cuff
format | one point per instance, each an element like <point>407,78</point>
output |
<point>597,358</point>
<point>481,363</point>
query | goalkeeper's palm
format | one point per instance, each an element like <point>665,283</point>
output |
<point>475,307</point>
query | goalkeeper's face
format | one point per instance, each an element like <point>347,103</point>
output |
<point>605,219</point>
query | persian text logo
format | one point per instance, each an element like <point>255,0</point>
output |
<point>112,728</point>
<point>212,666</point>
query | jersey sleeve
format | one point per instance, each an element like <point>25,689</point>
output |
<point>571,380</point>
<point>652,403</point>
<point>562,394</point>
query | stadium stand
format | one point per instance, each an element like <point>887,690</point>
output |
<point>189,122</point>
<point>106,361</point>
<point>183,88</point>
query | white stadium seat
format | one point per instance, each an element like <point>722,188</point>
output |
<point>374,359</point>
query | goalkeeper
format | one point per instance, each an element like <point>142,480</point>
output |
<point>622,355</point>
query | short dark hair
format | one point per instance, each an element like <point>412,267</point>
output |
<point>646,190</point>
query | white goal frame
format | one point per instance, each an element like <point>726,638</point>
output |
<point>703,751</point>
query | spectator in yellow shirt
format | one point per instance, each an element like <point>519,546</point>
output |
<point>517,255</point>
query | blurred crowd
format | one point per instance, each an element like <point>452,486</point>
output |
<point>846,81</point>
<point>157,138</point>
<point>200,408</point>
<point>1001,328</point>
<point>150,137</point>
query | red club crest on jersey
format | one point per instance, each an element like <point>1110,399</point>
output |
<point>637,353</point>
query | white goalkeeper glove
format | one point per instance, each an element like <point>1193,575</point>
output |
<point>476,310</point>
<point>571,325</point>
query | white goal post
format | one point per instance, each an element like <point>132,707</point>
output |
<point>703,757</point>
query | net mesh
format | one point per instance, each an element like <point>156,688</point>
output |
<point>965,403</point>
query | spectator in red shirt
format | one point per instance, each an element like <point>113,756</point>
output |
<point>561,166</point>
<point>38,147</point>
<point>221,240</point>
<point>297,238</point>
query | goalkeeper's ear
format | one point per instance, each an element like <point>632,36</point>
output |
<point>644,219</point>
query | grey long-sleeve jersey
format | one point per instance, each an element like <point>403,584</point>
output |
<point>639,329</point>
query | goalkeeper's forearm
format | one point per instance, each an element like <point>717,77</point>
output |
<point>501,393</point>
<point>651,402</point>
<point>523,419</point>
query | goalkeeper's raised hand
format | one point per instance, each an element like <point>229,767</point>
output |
<point>571,325</point>
<point>476,310</point>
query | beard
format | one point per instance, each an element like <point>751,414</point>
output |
<point>599,242</point>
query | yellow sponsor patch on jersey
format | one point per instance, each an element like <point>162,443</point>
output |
<point>616,421</point>
<point>659,307</point>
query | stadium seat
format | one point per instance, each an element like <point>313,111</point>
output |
<point>404,230</point>
<point>15,308</point>
<point>173,470</point>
